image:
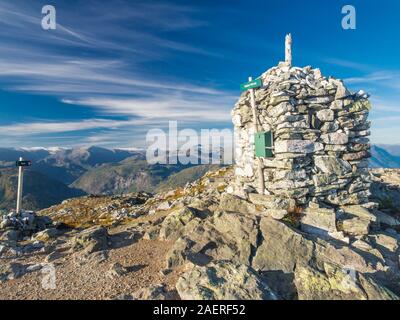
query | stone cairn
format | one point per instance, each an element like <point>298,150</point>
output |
<point>320,132</point>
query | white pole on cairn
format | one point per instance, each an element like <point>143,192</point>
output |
<point>288,50</point>
<point>261,184</point>
<point>20,186</point>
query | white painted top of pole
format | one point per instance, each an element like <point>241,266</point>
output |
<point>288,50</point>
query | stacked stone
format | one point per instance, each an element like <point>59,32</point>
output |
<point>27,222</point>
<point>321,145</point>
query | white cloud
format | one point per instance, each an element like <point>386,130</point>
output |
<point>33,128</point>
<point>165,107</point>
<point>349,64</point>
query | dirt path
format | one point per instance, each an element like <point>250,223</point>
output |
<point>144,260</point>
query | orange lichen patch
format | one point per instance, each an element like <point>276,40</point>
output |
<point>294,216</point>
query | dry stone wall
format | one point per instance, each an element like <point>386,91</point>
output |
<point>321,144</point>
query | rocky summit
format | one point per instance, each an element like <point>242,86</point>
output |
<point>201,242</point>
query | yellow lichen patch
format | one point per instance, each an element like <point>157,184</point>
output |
<point>221,188</point>
<point>312,281</point>
<point>341,280</point>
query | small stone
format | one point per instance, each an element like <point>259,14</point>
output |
<point>152,233</point>
<point>165,272</point>
<point>34,268</point>
<point>356,155</point>
<point>11,235</point>
<point>46,235</point>
<point>117,270</point>
<point>335,138</point>
<point>272,202</point>
<point>326,115</point>
<point>297,146</point>
<point>5,224</point>
<point>164,206</point>
<point>332,165</point>
<point>320,221</point>
<point>277,214</point>
<point>155,292</point>
<point>55,255</point>
<point>3,249</point>
<point>232,203</point>
<point>124,297</point>
<point>342,92</point>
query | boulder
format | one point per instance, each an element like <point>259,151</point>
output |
<point>154,292</point>
<point>173,224</point>
<point>46,235</point>
<point>386,219</point>
<point>91,240</point>
<point>226,236</point>
<point>282,247</point>
<point>240,230</point>
<point>320,221</point>
<point>223,280</point>
<point>355,226</point>
<point>386,242</point>
<point>336,283</point>
<point>362,215</point>
<point>272,202</point>
<point>11,271</point>
<point>232,203</point>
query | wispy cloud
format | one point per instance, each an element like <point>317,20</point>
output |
<point>32,128</point>
<point>382,77</point>
<point>166,107</point>
<point>349,64</point>
<point>96,60</point>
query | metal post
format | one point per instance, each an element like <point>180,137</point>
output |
<point>20,187</point>
<point>261,184</point>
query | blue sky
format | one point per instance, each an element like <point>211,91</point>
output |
<point>112,70</point>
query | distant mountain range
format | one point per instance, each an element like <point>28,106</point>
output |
<point>60,173</point>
